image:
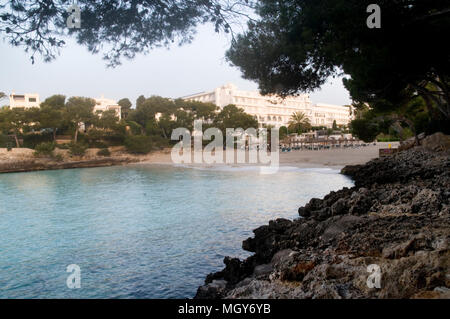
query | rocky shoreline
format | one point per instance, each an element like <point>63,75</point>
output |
<point>47,164</point>
<point>24,160</point>
<point>397,216</point>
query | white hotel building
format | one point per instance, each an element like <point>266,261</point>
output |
<point>273,110</point>
<point>29,100</point>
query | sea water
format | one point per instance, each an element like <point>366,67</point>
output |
<point>139,231</point>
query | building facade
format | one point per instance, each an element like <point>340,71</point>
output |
<point>32,100</point>
<point>325,114</point>
<point>102,104</point>
<point>273,110</point>
<point>26,101</point>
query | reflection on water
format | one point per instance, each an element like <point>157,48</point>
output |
<point>138,231</point>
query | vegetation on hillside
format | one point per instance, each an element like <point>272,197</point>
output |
<point>144,128</point>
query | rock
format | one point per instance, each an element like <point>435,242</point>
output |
<point>297,272</point>
<point>436,142</point>
<point>263,269</point>
<point>426,201</point>
<point>303,212</point>
<point>339,226</point>
<point>397,217</point>
<point>214,290</point>
<point>283,257</point>
<point>339,207</point>
<point>268,239</point>
<point>407,144</point>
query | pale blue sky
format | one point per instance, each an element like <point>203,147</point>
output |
<point>179,71</point>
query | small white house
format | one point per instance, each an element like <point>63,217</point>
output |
<point>102,105</point>
<point>27,100</point>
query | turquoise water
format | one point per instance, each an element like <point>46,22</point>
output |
<point>143,231</point>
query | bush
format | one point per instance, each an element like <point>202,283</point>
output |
<point>104,152</point>
<point>387,138</point>
<point>34,139</point>
<point>98,144</point>
<point>134,127</point>
<point>114,139</point>
<point>159,142</point>
<point>139,144</point>
<point>63,146</point>
<point>6,141</point>
<point>364,129</point>
<point>44,149</point>
<point>77,149</point>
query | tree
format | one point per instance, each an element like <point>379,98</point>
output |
<point>107,120</point>
<point>124,27</point>
<point>125,105</point>
<point>139,144</point>
<point>364,129</point>
<point>234,117</point>
<point>140,101</point>
<point>79,111</point>
<point>299,122</point>
<point>146,109</point>
<point>51,114</point>
<point>295,45</point>
<point>186,118</point>
<point>13,121</point>
<point>283,132</point>
<point>199,110</point>
<point>334,125</point>
<point>2,95</point>
<point>410,116</point>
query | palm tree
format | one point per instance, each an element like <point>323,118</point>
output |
<point>2,95</point>
<point>299,122</point>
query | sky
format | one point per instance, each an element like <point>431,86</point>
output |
<point>174,72</point>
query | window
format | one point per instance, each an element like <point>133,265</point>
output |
<point>32,99</point>
<point>19,98</point>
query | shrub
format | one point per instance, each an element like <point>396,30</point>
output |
<point>34,139</point>
<point>44,149</point>
<point>139,144</point>
<point>387,138</point>
<point>159,142</point>
<point>365,129</point>
<point>98,144</point>
<point>114,139</point>
<point>63,146</point>
<point>134,127</point>
<point>77,149</point>
<point>104,152</point>
<point>5,140</point>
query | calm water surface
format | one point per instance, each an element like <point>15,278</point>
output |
<point>144,231</point>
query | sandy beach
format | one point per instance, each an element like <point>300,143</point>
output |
<point>299,158</point>
<point>22,159</point>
